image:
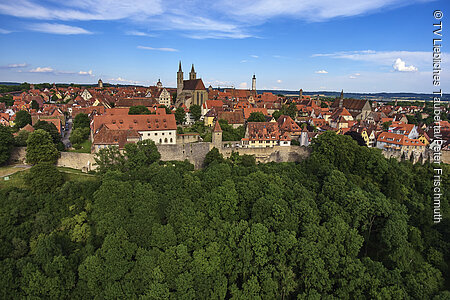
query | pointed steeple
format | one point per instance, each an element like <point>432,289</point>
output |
<point>217,127</point>
<point>341,99</point>
<point>179,67</point>
<point>192,74</point>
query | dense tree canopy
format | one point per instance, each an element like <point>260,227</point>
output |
<point>40,148</point>
<point>196,111</point>
<point>81,121</point>
<point>256,117</point>
<point>22,118</point>
<point>79,135</point>
<point>343,224</point>
<point>51,128</point>
<point>180,115</point>
<point>6,143</point>
<point>138,110</point>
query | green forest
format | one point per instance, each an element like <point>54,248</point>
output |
<point>346,223</point>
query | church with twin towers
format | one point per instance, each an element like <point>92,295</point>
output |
<point>193,91</point>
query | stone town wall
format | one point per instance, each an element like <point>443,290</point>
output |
<point>80,161</point>
<point>271,154</point>
<point>194,152</point>
<point>446,156</point>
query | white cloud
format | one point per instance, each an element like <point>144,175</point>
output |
<point>321,72</point>
<point>123,80</point>
<point>140,33</point>
<point>382,57</point>
<point>357,74</point>
<point>254,56</point>
<point>157,49</point>
<point>57,28</point>
<point>4,31</point>
<point>243,61</point>
<point>223,19</point>
<point>400,66</point>
<point>42,70</point>
<point>352,77</point>
<point>243,85</point>
<point>84,10</point>
<point>86,73</point>
<point>313,11</point>
<point>279,81</point>
<point>15,66</point>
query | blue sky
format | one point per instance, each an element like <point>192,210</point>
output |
<point>358,46</point>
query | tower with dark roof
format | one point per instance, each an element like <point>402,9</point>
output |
<point>217,136</point>
<point>179,79</point>
<point>254,83</point>
<point>341,99</point>
<point>192,74</point>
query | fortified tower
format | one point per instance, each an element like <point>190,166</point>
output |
<point>217,136</point>
<point>179,79</point>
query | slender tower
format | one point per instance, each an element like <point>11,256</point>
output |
<point>341,99</point>
<point>301,95</point>
<point>179,80</point>
<point>192,74</point>
<point>254,83</point>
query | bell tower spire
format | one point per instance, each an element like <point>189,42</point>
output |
<point>179,79</point>
<point>192,74</point>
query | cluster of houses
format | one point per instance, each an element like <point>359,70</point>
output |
<point>382,126</point>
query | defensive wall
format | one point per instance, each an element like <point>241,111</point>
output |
<point>196,152</point>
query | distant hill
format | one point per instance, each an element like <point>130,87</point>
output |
<point>383,96</point>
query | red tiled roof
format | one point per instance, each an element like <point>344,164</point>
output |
<point>232,117</point>
<point>398,139</point>
<point>248,111</point>
<point>136,122</point>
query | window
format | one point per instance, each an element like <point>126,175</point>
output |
<point>160,141</point>
<point>165,140</point>
<point>171,140</point>
<point>156,133</point>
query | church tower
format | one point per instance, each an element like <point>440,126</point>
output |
<point>192,74</point>
<point>254,83</point>
<point>300,95</point>
<point>341,99</point>
<point>100,83</point>
<point>179,80</point>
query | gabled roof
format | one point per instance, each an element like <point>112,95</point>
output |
<point>194,84</point>
<point>398,139</point>
<point>136,122</point>
<point>249,110</point>
<point>232,117</point>
<point>285,123</point>
<point>351,104</point>
<point>118,138</point>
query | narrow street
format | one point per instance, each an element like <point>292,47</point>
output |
<point>66,134</point>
